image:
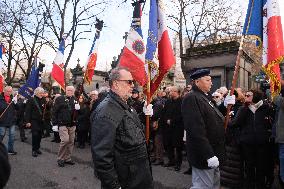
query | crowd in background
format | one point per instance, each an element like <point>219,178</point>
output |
<point>251,136</point>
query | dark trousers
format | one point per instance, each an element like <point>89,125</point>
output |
<point>159,147</point>
<point>82,136</point>
<point>173,147</point>
<point>174,150</point>
<point>36,139</point>
<point>136,175</point>
<point>22,131</point>
<point>175,155</point>
<point>56,136</point>
<point>256,159</point>
<point>47,127</point>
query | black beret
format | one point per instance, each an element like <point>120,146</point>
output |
<point>199,73</point>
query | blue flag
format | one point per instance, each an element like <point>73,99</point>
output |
<point>254,20</point>
<point>153,31</point>
<point>27,90</point>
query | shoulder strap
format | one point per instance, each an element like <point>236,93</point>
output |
<point>214,108</point>
<point>37,105</point>
<point>5,110</point>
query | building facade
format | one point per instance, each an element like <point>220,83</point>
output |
<point>220,59</point>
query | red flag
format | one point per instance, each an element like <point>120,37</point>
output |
<point>91,67</point>
<point>2,51</point>
<point>133,55</point>
<point>92,59</point>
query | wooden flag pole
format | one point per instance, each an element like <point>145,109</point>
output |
<point>234,81</point>
<point>147,132</point>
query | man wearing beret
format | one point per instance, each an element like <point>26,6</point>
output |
<point>204,126</point>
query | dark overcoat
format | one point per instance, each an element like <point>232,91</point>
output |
<point>83,118</point>
<point>34,113</point>
<point>175,130</point>
<point>204,125</point>
<point>9,117</point>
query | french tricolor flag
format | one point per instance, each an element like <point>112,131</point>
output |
<point>263,23</point>
<point>2,51</point>
<point>57,70</point>
<point>158,45</point>
<point>273,48</point>
<point>133,55</point>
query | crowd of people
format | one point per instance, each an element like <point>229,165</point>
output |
<point>182,120</point>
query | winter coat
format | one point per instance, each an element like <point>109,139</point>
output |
<point>21,112</point>
<point>175,130</point>
<point>204,125</point>
<point>9,118</point>
<point>119,146</point>
<point>83,118</point>
<point>63,112</point>
<point>279,122</point>
<point>34,113</point>
<point>231,171</point>
<point>47,111</point>
<point>255,127</point>
<point>158,108</point>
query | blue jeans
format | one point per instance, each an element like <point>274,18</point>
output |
<point>11,138</point>
<point>281,159</point>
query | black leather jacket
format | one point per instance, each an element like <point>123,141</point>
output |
<point>118,142</point>
<point>64,113</point>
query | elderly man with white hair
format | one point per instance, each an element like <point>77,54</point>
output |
<point>34,118</point>
<point>64,116</point>
<point>8,117</point>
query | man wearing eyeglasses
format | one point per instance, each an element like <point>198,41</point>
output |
<point>118,143</point>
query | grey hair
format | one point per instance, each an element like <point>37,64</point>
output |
<point>38,90</point>
<point>70,87</point>
<point>103,89</point>
<point>115,74</point>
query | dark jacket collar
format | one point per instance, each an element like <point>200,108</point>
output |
<point>117,98</point>
<point>208,95</point>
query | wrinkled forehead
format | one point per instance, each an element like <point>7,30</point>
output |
<point>125,75</point>
<point>70,89</point>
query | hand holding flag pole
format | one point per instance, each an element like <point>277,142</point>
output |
<point>234,81</point>
<point>263,25</point>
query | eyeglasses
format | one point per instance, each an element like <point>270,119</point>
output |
<point>247,95</point>
<point>216,97</point>
<point>130,82</point>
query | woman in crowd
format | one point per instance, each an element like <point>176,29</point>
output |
<point>83,122</point>
<point>254,121</point>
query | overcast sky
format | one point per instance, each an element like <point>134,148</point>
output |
<point>117,22</point>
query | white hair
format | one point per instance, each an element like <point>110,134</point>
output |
<point>224,90</point>
<point>103,89</point>
<point>38,90</point>
<point>70,87</point>
<point>216,94</point>
<point>95,92</point>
